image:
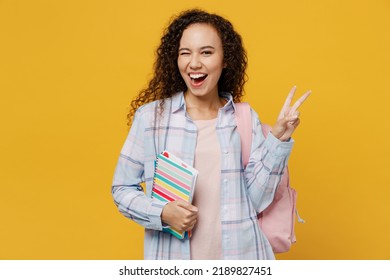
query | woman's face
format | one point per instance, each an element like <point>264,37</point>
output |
<point>200,59</point>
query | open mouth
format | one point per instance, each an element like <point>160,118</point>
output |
<point>197,79</point>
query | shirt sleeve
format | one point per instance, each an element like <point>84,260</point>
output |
<point>127,191</point>
<point>267,161</point>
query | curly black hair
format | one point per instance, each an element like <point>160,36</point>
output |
<point>167,79</point>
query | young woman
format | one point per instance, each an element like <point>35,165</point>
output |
<point>189,110</point>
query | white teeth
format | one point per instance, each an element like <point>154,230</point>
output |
<point>197,76</point>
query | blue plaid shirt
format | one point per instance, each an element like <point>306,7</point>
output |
<point>244,193</point>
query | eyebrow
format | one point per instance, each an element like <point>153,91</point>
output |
<point>202,48</point>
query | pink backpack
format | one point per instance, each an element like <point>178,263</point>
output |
<point>278,219</point>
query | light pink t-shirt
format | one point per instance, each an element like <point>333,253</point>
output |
<point>206,236</point>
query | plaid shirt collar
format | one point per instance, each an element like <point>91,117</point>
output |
<point>178,101</point>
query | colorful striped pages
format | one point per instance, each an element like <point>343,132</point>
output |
<point>173,180</point>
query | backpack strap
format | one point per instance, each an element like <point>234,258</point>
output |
<point>244,127</point>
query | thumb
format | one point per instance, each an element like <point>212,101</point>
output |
<point>188,206</point>
<point>281,123</point>
<point>290,116</point>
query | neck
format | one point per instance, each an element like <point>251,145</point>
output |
<point>204,107</point>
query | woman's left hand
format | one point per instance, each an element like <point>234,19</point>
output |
<point>288,119</point>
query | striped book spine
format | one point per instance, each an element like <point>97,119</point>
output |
<point>173,180</point>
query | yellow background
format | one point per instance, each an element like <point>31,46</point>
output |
<point>68,70</point>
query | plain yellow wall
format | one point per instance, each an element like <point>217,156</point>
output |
<point>68,70</point>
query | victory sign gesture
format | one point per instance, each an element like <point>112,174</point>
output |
<point>288,119</point>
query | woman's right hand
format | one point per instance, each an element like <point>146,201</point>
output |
<point>180,214</point>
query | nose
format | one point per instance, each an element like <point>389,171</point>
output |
<point>195,62</point>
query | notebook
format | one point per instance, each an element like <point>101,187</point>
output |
<point>173,179</point>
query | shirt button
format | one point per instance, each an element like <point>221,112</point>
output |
<point>225,151</point>
<point>225,180</point>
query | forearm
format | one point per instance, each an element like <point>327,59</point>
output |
<point>265,169</point>
<point>135,205</point>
